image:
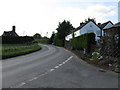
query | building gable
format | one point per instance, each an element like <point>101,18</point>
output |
<point>10,33</point>
<point>89,27</point>
<point>108,25</point>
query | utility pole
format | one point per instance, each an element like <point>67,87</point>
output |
<point>119,11</point>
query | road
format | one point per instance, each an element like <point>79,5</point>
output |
<point>54,67</point>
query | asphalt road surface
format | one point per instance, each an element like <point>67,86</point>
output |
<point>54,67</point>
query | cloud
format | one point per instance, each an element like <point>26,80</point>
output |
<point>77,15</point>
<point>42,16</point>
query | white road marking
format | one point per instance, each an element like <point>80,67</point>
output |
<point>23,83</point>
<point>35,78</point>
<point>41,75</point>
<point>30,80</point>
<point>70,57</point>
<point>52,70</point>
<point>56,66</point>
<point>20,85</point>
<point>60,64</point>
<point>63,62</point>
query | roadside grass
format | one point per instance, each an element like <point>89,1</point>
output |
<point>12,50</point>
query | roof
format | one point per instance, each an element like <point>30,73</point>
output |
<point>81,26</point>
<point>116,25</point>
<point>104,24</point>
<point>10,33</point>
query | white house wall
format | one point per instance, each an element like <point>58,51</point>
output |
<point>91,27</point>
<point>68,37</point>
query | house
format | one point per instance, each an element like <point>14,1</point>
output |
<point>10,33</point>
<point>114,33</point>
<point>110,43</point>
<point>105,26</point>
<point>87,27</point>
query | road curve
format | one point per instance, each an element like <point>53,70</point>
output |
<point>54,67</point>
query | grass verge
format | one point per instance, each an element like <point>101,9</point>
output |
<point>12,50</point>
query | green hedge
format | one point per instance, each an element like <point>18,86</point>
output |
<point>16,40</point>
<point>83,42</point>
<point>58,42</point>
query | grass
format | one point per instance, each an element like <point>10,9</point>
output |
<point>12,50</point>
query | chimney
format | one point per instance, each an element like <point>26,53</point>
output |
<point>13,28</point>
<point>99,24</point>
<point>119,11</point>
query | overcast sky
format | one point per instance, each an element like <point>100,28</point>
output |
<point>42,16</point>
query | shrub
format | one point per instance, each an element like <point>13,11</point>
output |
<point>16,40</point>
<point>83,42</point>
<point>58,42</point>
<point>96,55</point>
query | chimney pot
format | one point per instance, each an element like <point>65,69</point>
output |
<point>13,28</point>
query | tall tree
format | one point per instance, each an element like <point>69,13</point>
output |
<point>64,28</point>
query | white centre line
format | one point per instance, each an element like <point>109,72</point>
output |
<point>52,70</point>
<point>60,64</point>
<point>23,83</point>
<point>56,66</point>
<point>35,78</point>
<point>20,85</point>
<point>63,62</point>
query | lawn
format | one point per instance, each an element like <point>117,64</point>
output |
<point>12,50</point>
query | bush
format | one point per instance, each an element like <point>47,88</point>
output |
<point>43,40</point>
<point>86,57</point>
<point>83,42</point>
<point>16,40</point>
<point>96,55</point>
<point>58,42</point>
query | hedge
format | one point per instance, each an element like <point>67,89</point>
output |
<point>16,40</point>
<point>58,42</point>
<point>83,42</point>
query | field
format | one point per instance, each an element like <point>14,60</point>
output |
<point>12,50</point>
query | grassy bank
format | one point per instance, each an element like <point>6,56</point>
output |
<point>12,50</point>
